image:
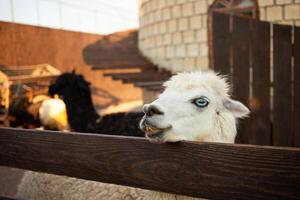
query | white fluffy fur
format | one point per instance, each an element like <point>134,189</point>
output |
<point>215,123</point>
<point>53,114</point>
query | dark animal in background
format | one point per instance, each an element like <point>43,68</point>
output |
<point>82,116</point>
<point>21,116</point>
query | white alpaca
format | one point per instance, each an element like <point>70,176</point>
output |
<point>53,114</point>
<point>195,106</point>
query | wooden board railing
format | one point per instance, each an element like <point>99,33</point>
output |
<point>8,198</point>
<point>208,170</point>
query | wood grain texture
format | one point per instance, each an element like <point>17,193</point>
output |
<point>143,79</point>
<point>282,121</point>
<point>297,86</point>
<point>137,79</point>
<point>241,71</point>
<point>221,43</point>
<point>7,198</point>
<point>145,74</point>
<point>208,170</point>
<point>260,101</point>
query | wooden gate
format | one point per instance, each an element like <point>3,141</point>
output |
<point>263,63</point>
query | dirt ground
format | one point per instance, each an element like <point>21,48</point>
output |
<point>9,180</point>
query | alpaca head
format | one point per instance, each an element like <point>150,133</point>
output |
<point>76,94</point>
<point>195,106</point>
<point>69,85</point>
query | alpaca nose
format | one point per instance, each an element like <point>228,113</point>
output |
<point>151,110</point>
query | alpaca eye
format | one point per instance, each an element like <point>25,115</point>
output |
<point>201,102</point>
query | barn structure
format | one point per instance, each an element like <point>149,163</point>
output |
<point>20,84</point>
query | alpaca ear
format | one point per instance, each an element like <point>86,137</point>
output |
<point>74,71</point>
<point>238,109</point>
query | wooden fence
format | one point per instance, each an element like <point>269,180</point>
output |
<point>263,61</point>
<point>208,170</point>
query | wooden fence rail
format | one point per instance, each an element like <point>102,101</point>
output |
<point>8,198</point>
<point>208,170</point>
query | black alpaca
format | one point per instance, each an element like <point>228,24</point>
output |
<point>82,116</point>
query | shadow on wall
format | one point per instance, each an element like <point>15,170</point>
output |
<point>99,92</point>
<point>25,45</point>
<point>115,51</point>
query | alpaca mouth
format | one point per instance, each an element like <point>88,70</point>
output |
<point>154,132</point>
<point>158,135</point>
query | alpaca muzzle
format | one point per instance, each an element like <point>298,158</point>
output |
<point>151,131</point>
<point>151,110</point>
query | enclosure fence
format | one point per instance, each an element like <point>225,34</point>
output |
<point>263,60</point>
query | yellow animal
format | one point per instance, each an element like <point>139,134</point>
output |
<point>53,114</point>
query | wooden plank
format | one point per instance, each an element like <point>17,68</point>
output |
<point>149,83</point>
<point>282,121</point>
<point>141,77</point>
<point>208,170</point>
<point>221,43</point>
<point>100,61</point>
<point>260,101</point>
<point>154,88</point>
<point>139,80</point>
<point>138,74</point>
<point>122,65</point>
<point>121,55</point>
<point>7,198</point>
<point>30,78</point>
<point>157,88</point>
<point>297,86</point>
<point>241,65</point>
<point>138,77</point>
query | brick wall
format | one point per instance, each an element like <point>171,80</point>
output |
<point>173,33</point>
<point>280,11</point>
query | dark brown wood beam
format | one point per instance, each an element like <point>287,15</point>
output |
<point>122,65</point>
<point>144,74</point>
<point>8,198</point>
<point>208,170</point>
<point>149,79</point>
<point>154,88</point>
<point>149,83</point>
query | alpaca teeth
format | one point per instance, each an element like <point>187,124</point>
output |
<point>150,129</point>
